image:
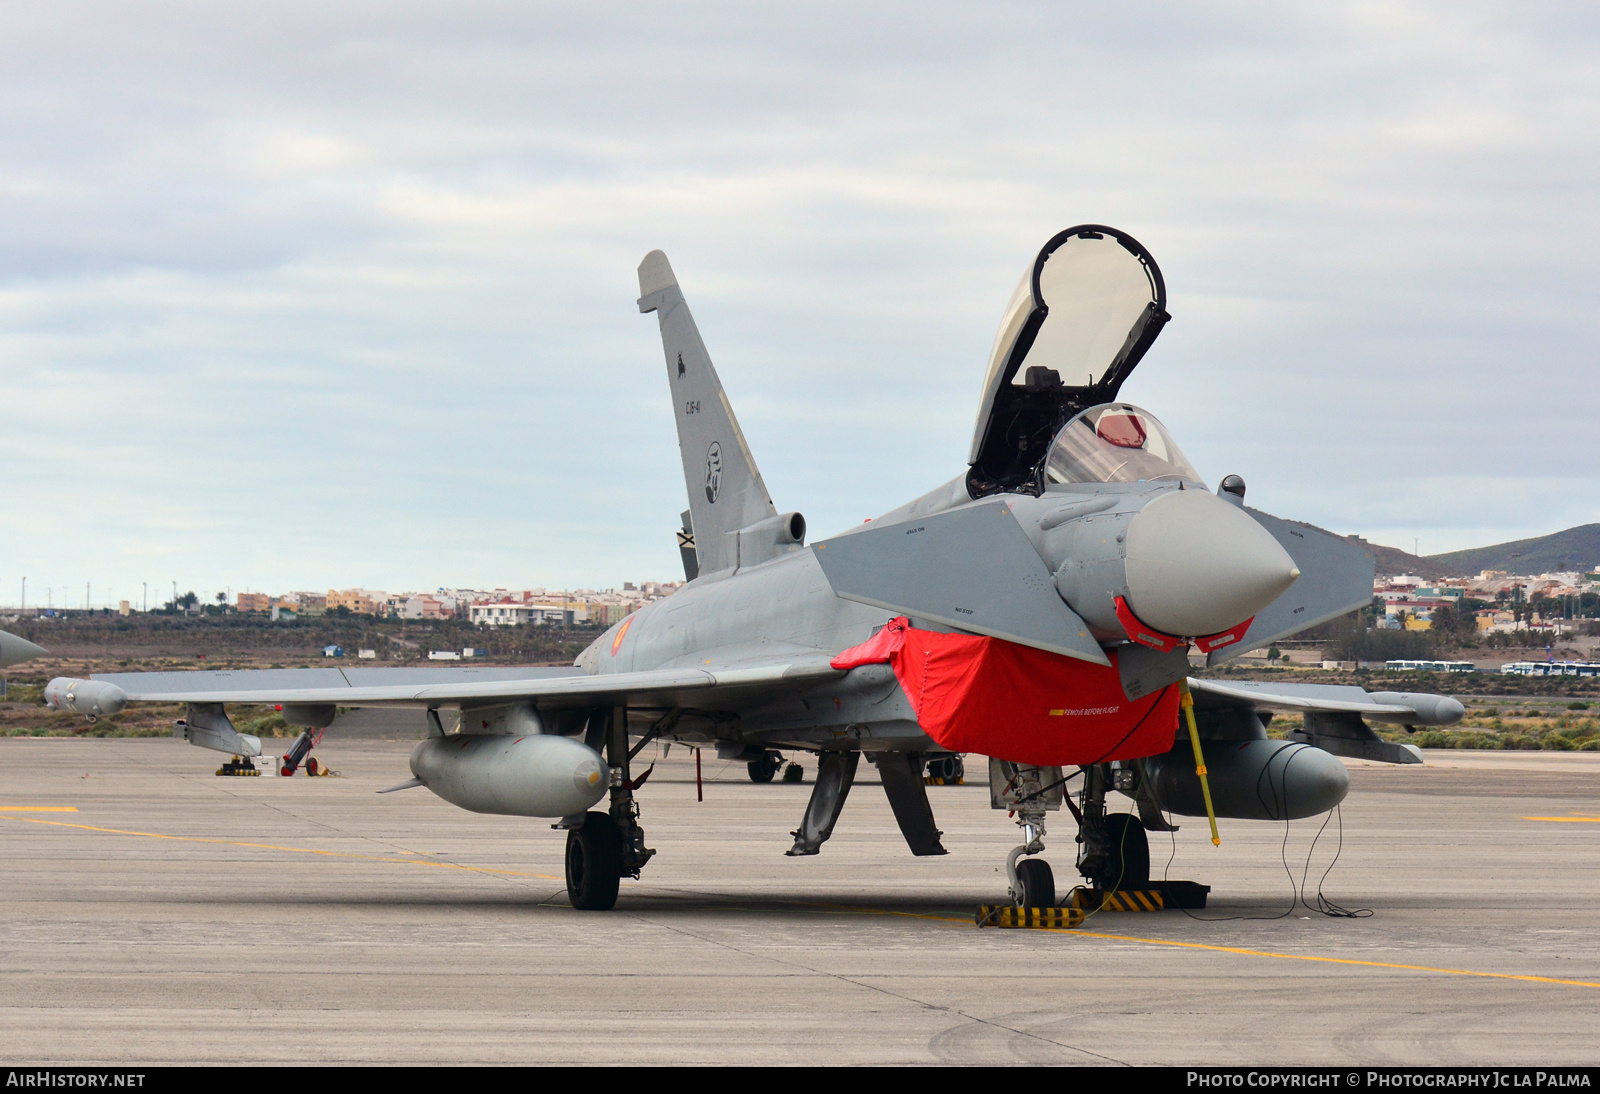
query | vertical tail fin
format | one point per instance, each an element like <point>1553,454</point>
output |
<point>725,488</point>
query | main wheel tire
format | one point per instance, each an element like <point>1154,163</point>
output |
<point>763,769</point>
<point>794,773</point>
<point>1127,854</point>
<point>594,863</point>
<point>1037,884</point>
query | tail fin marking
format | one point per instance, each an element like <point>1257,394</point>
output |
<point>726,492</point>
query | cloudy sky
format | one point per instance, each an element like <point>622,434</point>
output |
<point>293,297</point>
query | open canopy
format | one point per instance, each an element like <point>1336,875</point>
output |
<point>1085,312</point>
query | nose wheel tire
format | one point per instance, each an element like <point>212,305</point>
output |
<point>594,863</point>
<point>1127,854</point>
<point>1036,884</point>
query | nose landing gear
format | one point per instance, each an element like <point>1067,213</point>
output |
<point>1113,850</point>
<point>1028,791</point>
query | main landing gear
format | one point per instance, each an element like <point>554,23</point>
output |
<point>602,848</point>
<point>764,768</point>
<point>594,863</point>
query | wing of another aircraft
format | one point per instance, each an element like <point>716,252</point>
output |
<point>15,650</point>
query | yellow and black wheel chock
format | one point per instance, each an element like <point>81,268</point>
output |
<point>937,780</point>
<point>1119,900</point>
<point>1007,915</point>
<point>1081,903</point>
<point>1156,896</point>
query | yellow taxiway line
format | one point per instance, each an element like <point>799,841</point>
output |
<point>1073,932</point>
<point>38,808</point>
<point>1567,820</point>
<point>1330,960</point>
<point>296,850</point>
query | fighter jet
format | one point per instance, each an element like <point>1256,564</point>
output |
<point>1038,609</point>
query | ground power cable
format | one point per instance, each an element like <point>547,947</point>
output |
<point>1279,806</point>
<point>1323,906</point>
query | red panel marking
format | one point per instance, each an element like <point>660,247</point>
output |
<point>1138,632</point>
<point>616,643</point>
<point>1223,638</point>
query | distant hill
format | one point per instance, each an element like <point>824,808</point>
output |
<point>1574,549</point>
<point>1391,561</point>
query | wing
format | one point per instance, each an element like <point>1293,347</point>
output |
<point>1335,717</point>
<point>552,689</point>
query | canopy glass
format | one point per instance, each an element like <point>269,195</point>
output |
<point>1116,442</point>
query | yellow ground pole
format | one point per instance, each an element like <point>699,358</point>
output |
<point>1186,701</point>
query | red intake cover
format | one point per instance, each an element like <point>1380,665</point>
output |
<point>997,698</point>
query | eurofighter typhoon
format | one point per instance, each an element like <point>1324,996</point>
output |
<point>1038,609</point>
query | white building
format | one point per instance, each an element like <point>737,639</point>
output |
<point>513,613</point>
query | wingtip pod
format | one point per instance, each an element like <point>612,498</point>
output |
<point>91,697</point>
<point>1431,710</point>
<point>655,274</point>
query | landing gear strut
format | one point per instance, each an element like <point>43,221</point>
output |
<point>1113,852</point>
<point>603,847</point>
<point>1033,885</point>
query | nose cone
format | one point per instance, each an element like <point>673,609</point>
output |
<point>1197,565</point>
<point>14,650</point>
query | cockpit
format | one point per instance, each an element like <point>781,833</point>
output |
<point>1116,442</point>
<point>1087,308</point>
